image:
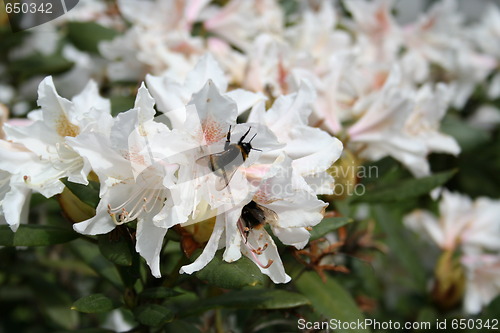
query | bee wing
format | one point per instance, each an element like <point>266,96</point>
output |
<point>223,164</point>
<point>269,214</point>
<point>226,174</point>
<point>226,165</point>
<point>208,161</point>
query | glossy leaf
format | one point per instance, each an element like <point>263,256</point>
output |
<point>35,235</point>
<point>329,225</point>
<point>38,64</point>
<point>121,104</point>
<point>95,303</point>
<point>235,275</point>
<point>54,302</point>
<point>400,246</point>
<point>90,254</point>
<point>116,250</point>
<point>405,189</point>
<point>153,315</point>
<point>89,194</point>
<point>159,293</point>
<point>467,136</point>
<point>330,299</point>
<point>263,299</point>
<point>87,35</point>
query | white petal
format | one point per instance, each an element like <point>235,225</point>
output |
<point>145,104</point>
<point>313,150</point>
<point>425,223</point>
<point>54,107</point>
<point>169,94</point>
<point>206,69</point>
<point>101,223</point>
<point>16,205</point>
<point>37,137</point>
<point>105,161</point>
<point>297,237</point>
<point>233,236</point>
<point>89,99</point>
<point>258,239</point>
<point>149,244</point>
<point>245,99</point>
<point>209,250</point>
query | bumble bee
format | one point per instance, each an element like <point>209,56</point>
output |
<point>254,216</point>
<point>225,163</point>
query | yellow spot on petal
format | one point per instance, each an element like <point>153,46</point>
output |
<point>65,128</point>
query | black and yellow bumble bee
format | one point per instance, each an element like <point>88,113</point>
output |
<point>225,163</point>
<point>255,216</point>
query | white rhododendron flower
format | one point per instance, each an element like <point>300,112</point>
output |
<point>378,33</point>
<point>159,40</point>
<point>472,229</point>
<point>312,150</point>
<point>14,193</point>
<point>483,281</point>
<point>173,95</point>
<point>379,132</point>
<point>240,22</point>
<point>424,122</point>
<point>290,211</point>
<point>439,38</point>
<point>129,161</point>
<point>472,225</point>
<point>58,119</point>
<point>208,124</point>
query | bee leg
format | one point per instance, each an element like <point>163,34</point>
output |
<point>244,135</point>
<point>228,139</point>
<point>243,230</point>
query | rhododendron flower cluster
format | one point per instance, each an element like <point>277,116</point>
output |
<point>472,228</point>
<point>224,140</point>
<point>149,171</point>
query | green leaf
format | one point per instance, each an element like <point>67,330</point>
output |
<point>95,303</point>
<point>399,243</point>
<point>405,189</point>
<point>467,136</point>
<point>263,299</point>
<point>235,275</point>
<point>91,255</point>
<point>88,194</point>
<point>117,250</point>
<point>35,235</point>
<point>159,293</point>
<point>329,225</point>
<point>330,299</point>
<point>38,64</point>
<point>121,104</point>
<point>87,35</point>
<point>54,301</point>
<point>181,326</point>
<point>153,315</point>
